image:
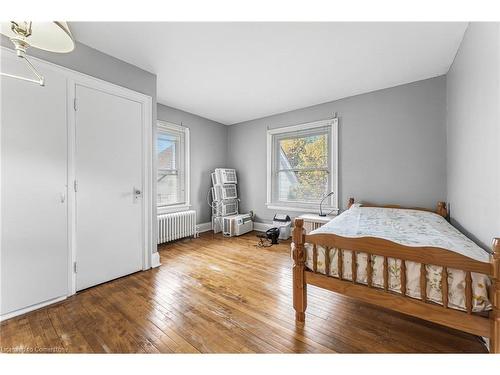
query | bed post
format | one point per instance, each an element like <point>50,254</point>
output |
<point>442,210</point>
<point>350,203</point>
<point>495,298</point>
<point>299,284</point>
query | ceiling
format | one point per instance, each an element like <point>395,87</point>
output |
<point>234,72</point>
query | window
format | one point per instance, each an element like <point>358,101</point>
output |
<point>172,151</point>
<point>302,166</point>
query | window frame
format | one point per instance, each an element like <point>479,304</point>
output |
<point>165,127</point>
<point>331,203</point>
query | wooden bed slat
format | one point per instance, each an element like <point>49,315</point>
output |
<point>340,263</point>
<point>327,260</point>
<point>468,292</point>
<point>354,261</point>
<point>402,274</point>
<point>369,270</point>
<point>444,286</point>
<point>386,274</point>
<point>315,258</point>
<point>423,282</point>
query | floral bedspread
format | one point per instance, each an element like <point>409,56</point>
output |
<point>406,227</point>
<point>410,228</point>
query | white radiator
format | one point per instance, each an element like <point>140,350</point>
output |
<point>176,225</point>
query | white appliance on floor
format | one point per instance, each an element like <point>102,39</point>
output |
<point>237,225</point>
<point>224,204</point>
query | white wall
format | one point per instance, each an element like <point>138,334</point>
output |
<point>473,134</point>
<point>391,147</point>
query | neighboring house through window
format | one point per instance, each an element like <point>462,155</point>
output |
<point>302,166</point>
<point>172,150</point>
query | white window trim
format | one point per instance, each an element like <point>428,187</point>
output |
<point>333,206</point>
<point>164,125</point>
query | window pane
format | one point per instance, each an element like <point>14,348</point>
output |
<point>303,186</point>
<point>171,168</point>
<point>167,148</point>
<point>304,152</point>
<point>168,189</point>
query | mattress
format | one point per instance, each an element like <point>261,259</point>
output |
<point>410,228</point>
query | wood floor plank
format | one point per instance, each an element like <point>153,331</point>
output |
<point>222,295</point>
<point>71,337</point>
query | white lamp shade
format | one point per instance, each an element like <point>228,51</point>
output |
<point>49,36</point>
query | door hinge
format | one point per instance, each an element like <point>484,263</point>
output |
<point>74,267</point>
<point>74,104</point>
<point>75,186</point>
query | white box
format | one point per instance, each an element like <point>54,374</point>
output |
<point>285,229</point>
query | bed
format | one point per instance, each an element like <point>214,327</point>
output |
<point>408,260</point>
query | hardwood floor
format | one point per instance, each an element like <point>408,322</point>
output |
<point>220,295</point>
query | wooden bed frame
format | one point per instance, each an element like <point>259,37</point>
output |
<point>467,321</point>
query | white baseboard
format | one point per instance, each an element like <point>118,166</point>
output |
<point>261,227</point>
<point>31,308</point>
<point>203,227</point>
<point>155,260</point>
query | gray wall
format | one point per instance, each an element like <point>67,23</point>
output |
<point>391,147</point>
<point>473,134</point>
<point>208,151</point>
<point>90,61</point>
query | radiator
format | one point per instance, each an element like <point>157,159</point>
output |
<point>176,225</point>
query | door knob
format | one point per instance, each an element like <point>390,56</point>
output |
<point>137,194</point>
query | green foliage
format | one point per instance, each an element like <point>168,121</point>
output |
<point>307,155</point>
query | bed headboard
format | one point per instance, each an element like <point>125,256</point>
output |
<point>441,208</point>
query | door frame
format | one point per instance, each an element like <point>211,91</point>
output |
<point>147,147</point>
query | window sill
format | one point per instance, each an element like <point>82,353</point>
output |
<point>312,209</point>
<point>172,209</point>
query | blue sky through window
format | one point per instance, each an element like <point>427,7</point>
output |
<point>163,144</point>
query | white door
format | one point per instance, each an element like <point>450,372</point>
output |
<point>108,169</point>
<point>34,248</point>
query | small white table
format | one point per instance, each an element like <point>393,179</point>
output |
<point>314,221</point>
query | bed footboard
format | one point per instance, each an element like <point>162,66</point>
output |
<point>466,321</point>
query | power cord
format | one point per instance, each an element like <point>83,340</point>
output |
<point>264,242</point>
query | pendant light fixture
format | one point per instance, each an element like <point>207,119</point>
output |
<point>48,36</point>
